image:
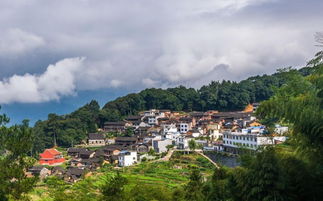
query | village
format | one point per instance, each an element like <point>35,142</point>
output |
<point>154,135</point>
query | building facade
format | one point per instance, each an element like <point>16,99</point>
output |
<point>51,157</point>
<point>127,158</point>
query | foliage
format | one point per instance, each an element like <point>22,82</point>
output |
<point>71,129</point>
<point>113,189</point>
<point>192,145</point>
<point>193,189</point>
<point>15,143</point>
<point>67,130</point>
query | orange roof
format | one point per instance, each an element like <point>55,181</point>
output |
<point>53,151</point>
<point>48,153</point>
<point>249,108</point>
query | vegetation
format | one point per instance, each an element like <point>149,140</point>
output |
<point>145,181</point>
<point>71,129</point>
<point>291,171</point>
<point>15,144</point>
<point>66,130</point>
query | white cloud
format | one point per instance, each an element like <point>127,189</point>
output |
<point>16,41</point>
<point>57,81</point>
<point>143,43</point>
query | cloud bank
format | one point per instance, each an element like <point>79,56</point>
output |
<point>138,44</point>
<point>58,80</point>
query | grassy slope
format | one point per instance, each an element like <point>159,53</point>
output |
<point>169,174</point>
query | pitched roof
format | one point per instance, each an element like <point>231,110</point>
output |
<point>112,147</point>
<point>53,151</point>
<point>186,119</point>
<point>75,171</point>
<point>36,168</point>
<point>96,136</point>
<point>86,153</point>
<point>49,153</point>
<point>126,139</point>
<point>58,168</point>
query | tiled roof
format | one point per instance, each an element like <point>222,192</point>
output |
<point>96,136</point>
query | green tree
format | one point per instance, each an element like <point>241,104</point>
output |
<point>16,142</point>
<point>113,188</point>
<point>300,104</point>
<point>218,189</point>
<point>192,144</point>
<point>149,192</point>
<point>194,188</point>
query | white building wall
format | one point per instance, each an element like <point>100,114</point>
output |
<point>184,127</point>
<point>161,145</point>
<point>127,160</point>
<point>251,141</point>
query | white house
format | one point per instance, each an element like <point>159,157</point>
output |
<point>214,131</point>
<point>172,133</point>
<point>195,133</point>
<point>185,124</point>
<point>161,145</point>
<point>169,127</point>
<point>182,142</point>
<point>184,127</point>
<point>153,115</point>
<point>232,141</point>
<point>281,129</point>
<point>151,138</point>
<point>96,139</point>
<point>127,158</point>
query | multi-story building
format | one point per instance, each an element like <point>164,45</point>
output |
<point>51,157</point>
<point>185,124</point>
<point>151,116</point>
<point>233,141</point>
<point>182,142</point>
<point>127,158</point>
<point>161,145</point>
<point>96,139</point>
<point>213,131</point>
<point>115,126</point>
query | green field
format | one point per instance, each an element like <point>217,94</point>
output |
<point>166,174</point>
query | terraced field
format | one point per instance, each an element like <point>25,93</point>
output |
<point>165,174</point>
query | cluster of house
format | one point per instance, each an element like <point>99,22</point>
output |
<point>82,161</point>
<point>159,130</point>
<point>212,130</point>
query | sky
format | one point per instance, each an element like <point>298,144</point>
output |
<point>57,55</point>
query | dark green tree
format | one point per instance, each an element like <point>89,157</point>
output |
<point>113,188</point>
<point>16,142</point>
<point>194,188</point>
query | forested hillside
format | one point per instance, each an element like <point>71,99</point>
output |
<point>288,171</point>
<point>71,129</point>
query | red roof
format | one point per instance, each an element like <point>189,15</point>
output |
<point>50,153</point>
<point>51,157</point>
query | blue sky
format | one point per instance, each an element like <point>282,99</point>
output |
<point>57,55</point>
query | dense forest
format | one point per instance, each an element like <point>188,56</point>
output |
<point>291,171</point>
<point>68,130</point>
